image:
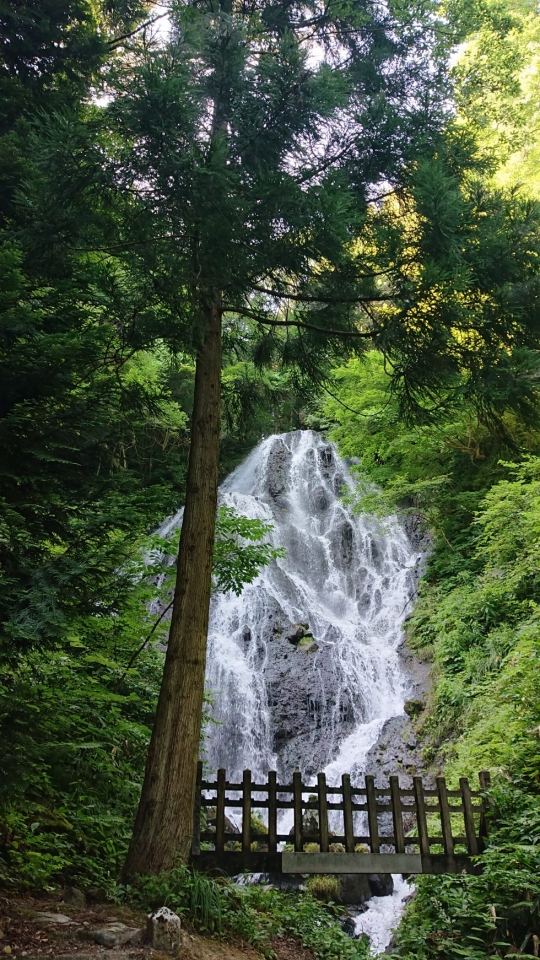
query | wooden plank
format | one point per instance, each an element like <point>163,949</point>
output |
<point>468,816</point>
<point>196,840</point>
<point>446,826</point>
<point>351,863</point>
<point>362,863</point>
<point>246,811</point>
<point>372,814</point>
<point>233,863</point>
<point>272,812</point>
<point>347,813</point>
<point>297,799</point>
<point>421,821</point>
<point>399,836</point>
<point>485,782</point>
<point>220,811</point>
<point>323,813</point>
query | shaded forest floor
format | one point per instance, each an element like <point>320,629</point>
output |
<point>26,932</point>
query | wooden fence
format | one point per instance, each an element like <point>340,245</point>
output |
<point>416,830</point>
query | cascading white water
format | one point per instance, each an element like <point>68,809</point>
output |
<point>344,586</point>
<point>349,578</point>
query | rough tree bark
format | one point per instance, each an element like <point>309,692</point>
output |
<point>164,822</point>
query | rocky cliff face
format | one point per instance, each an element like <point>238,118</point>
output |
<point>307,666</point>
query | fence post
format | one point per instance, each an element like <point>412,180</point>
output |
<point>371,801</point>
<point>272,812</point>
<point>323,814</point>
<point>399,836</point>
<point>298,823</point>
<point>446,825</point>
<point>196,841</point>
<point>246,811</point>
<point>468,816</point>
<point>485,782</point>
<point>347,813</point>
<point>220,811</point>
<point>421,814</point>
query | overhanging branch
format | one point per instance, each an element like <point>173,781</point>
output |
<point>300,324</point>
<point>303,298</point>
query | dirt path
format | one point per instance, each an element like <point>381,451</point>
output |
<point>39,929</point>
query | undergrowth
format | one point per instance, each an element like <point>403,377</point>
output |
<point>255,914</point>
<point>494,914</point>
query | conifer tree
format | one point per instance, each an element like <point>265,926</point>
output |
<point>254,143</point>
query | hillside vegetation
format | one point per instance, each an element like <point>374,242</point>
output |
<point>476,618</point>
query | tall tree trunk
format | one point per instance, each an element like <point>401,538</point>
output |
<point>164,823</point>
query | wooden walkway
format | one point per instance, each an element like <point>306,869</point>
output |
<point>408,831</point>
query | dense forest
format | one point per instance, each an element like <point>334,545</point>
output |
<point>220,221</point>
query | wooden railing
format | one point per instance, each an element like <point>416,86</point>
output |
<point>458,817</point>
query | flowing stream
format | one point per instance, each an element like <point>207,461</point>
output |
<point>304,666</point>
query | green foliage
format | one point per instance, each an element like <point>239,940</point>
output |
<point>494,914</point>
<point>324,887</point>
<point>497,87</point>
<point>254,913</point>
<point>75,721</point>
<point>483,631</point>
<point>239,552</point>
<point>477,618</point>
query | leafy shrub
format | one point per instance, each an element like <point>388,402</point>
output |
<point>254,913</point>
<point>324,887</point>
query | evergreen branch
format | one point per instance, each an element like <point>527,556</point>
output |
<point>112,44</point>
<point>326,300</point>
<point>299,324</point>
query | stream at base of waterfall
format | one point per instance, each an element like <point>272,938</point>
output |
<point>305,667</point>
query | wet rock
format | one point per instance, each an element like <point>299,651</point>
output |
<point>164,931</point>
<point>326,457</point>
<point>299,631</point>
<point>413,708</point>
<point>381,884</point>
<point>347,544</point>
<point>397,752</point>
<point>298,700</point>
<point>354,888</point>
<point>419,536</point>
<point>75,896</point>
<point>348,926</point>
<point>230,827</point>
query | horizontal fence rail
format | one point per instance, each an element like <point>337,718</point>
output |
<point>338,829</point>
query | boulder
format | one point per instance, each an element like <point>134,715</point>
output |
<point>354,888</point>
<point>55,918</point>
<point>381,884</point>
<point>75,896</point>
<point>110,934</point>
<point>348,926</point>
<point>163,931</point>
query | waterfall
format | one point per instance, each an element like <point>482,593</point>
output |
<point>304,665</point>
